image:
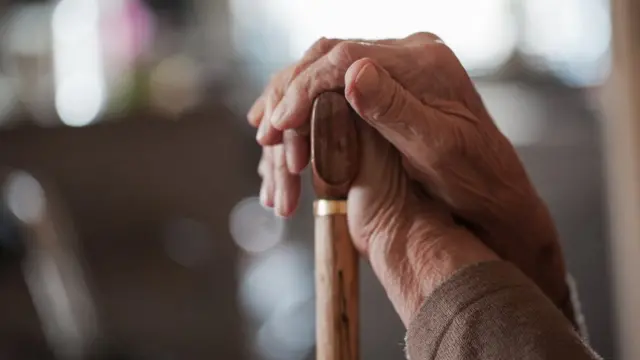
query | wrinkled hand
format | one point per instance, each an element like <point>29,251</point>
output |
<point>416,94</point>
<point>412,242</point>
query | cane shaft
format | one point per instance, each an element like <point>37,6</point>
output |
<point>336,290</point>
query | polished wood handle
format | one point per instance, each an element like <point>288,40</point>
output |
<point>335,163</point>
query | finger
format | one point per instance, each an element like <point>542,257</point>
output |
<point>259,108</point>
<point>267,190</point>
<point>381,100</point>
<point>275,91</point>
<point>264,195</point>
<point>256,112</point>
<point>376,96</point>
<point>297,149</point>
<point>328,74</point>
<point>317,50</point>
<point>378,184</point>
<point>297,141</point>
<point>263,165</point>
<point>267,135</point>
<point>287,185</point>
<point>263,107</point>
<point>320,48</point>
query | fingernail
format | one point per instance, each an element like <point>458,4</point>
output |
<point>263,196</point>
<point>367,78</point>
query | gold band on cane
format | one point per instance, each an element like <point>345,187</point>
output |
<point>329,207</point>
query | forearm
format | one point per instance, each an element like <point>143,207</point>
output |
<point>410,268</point>
<point>460,302</point>
<point>492,311</point>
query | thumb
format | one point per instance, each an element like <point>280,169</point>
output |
<point>378,191</point>
<point>393,111</point>
<point>377,97</point>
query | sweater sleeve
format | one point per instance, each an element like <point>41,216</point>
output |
<point>492,311</point>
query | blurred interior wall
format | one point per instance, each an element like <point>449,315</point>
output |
<point>622,131</point>
<point>126,185</point>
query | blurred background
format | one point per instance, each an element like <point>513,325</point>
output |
<point>129,222</point>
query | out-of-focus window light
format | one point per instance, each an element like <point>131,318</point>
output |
<point>254,228</point>
<point>52,270</point>
<point>24,25</point>
<point>127,32</point>
<point>176,84</point>
<point>276,292</point>
<point>570,37</point>
<point>79,72</point>
<point>25,197</point>
<point>289,334</point>
<point>25,43</point>
<point>481,32</point>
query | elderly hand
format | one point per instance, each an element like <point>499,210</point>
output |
<point>412,242</point>
<point>415,94</point>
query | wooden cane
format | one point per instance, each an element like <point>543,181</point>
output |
<point>335,163</point>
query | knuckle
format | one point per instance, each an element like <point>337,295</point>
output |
<point>284,76</point>
<point>275,88</point>
<point>435,55</point>
<point>300,87</point>
<point>296,70</point>
<point>275,95</point>
<point>443,56</point>
<point>280,77</point>
<point>344,53</point>
<point>322,46</point>
<point>425,36</point>
<point>442,50</point>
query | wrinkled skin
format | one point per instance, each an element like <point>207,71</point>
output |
<point>417,97</point>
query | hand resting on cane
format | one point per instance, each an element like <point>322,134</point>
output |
<point>417,97</point>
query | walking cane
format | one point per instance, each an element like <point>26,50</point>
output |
<point>335,163</point>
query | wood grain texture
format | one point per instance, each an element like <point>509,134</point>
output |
<point>334,146</point>
<point>337,297</point>
<point>335,164</point>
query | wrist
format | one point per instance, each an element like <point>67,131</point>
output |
<point>535,230</point>
<point>415,259</point>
